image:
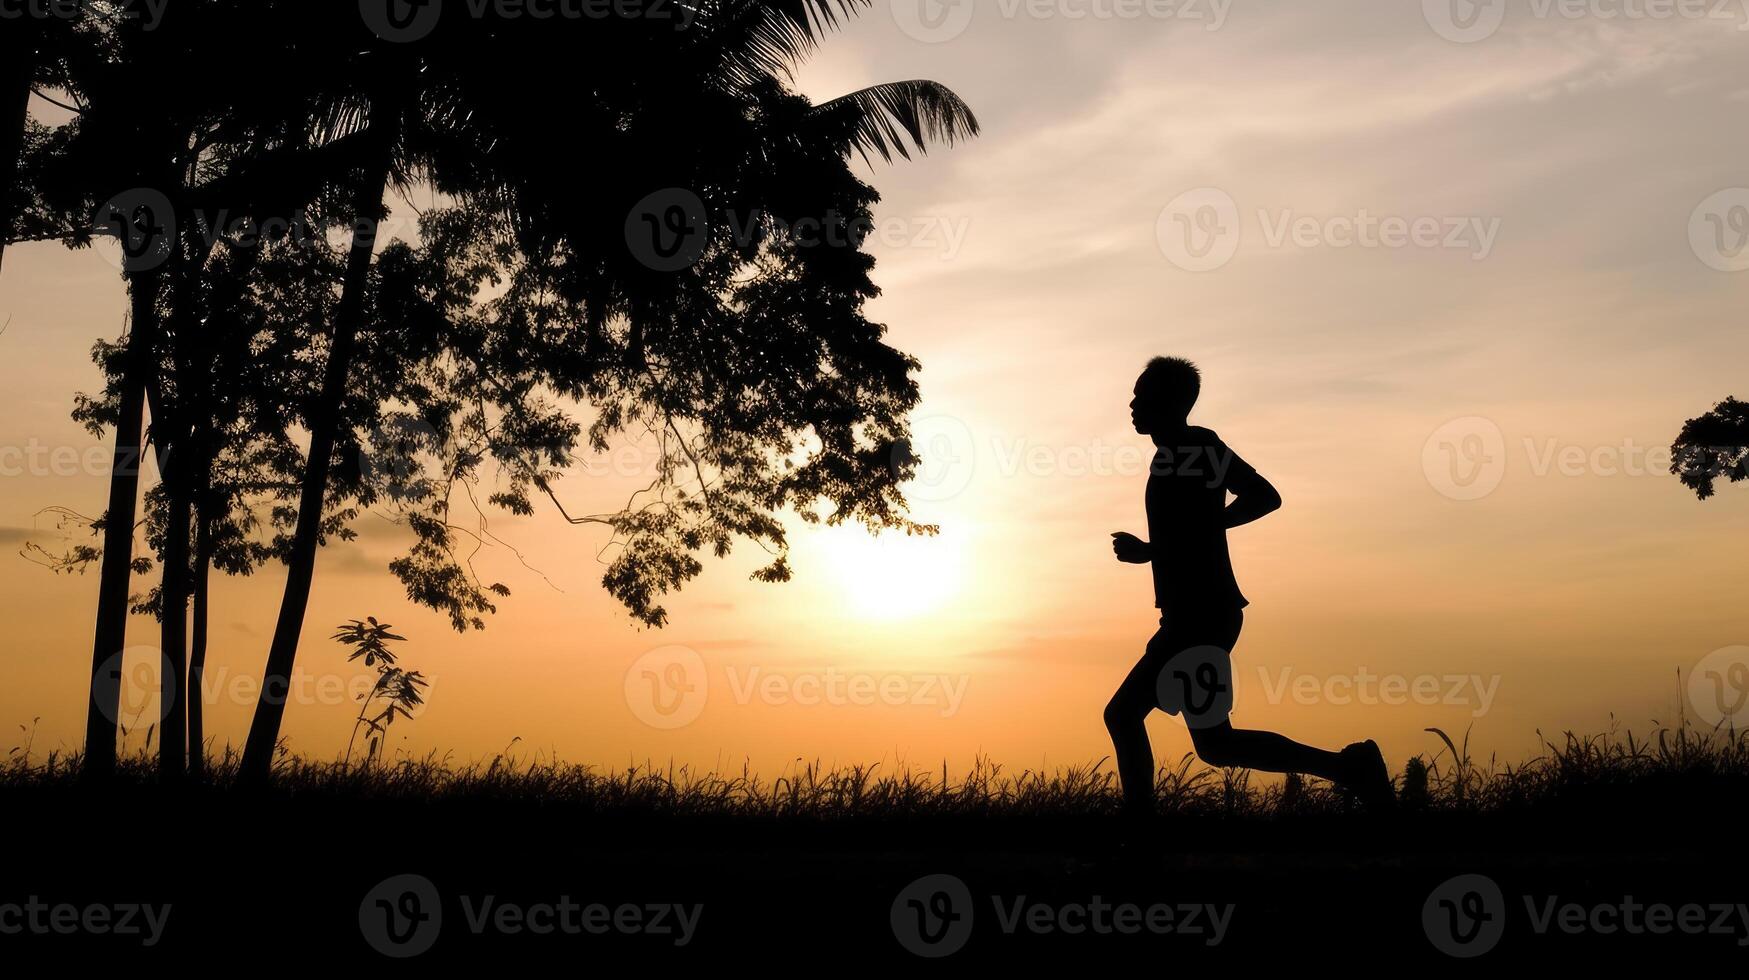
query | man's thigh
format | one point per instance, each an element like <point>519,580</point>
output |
<point>1195,676</point>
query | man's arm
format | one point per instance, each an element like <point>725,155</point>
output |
<point>1253,496</point>
<point>1131,549</point>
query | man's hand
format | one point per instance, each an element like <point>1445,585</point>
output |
<point>1131,549</point>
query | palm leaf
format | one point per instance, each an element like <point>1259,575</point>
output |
<point>766,38</point>
<point>883,118</point>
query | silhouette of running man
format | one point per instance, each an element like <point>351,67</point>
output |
<point>1187,669</point>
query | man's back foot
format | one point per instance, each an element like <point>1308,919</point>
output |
<point>1369,779</point>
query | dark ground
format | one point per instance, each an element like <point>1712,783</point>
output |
<point>279,880</point>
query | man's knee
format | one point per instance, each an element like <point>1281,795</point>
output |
<point>1214,746</point>
<point>1124,713</point>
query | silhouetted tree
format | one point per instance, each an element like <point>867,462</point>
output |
<point>658,108</point>
<point>171,151</point>
<point>753,365</point>
<point>33,51</point>
<point>1713,445</point>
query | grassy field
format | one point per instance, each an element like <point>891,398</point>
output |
<point>1584,848</point>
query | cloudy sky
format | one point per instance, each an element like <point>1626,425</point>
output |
<point>1455,273</point>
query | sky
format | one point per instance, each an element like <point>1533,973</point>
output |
<point>1455,274</point>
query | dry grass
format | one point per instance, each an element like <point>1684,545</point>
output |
<point>1573,768</point>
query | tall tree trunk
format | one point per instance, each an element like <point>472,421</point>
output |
<point>203,555</point>
<point>258,751</point>
<point>16,66</point>
<point>173,613</point>
<point>181,469</point>
<point>110,636</point>
<point>226,295</point>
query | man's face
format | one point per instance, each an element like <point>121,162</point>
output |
<point>1144,409</point>
<point>1152,412</point>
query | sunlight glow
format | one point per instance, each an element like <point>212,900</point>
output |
<point>892,576</point>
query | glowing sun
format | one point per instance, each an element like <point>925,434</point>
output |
<point>892,576</point>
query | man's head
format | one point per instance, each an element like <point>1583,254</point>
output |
<point>1165,393</point>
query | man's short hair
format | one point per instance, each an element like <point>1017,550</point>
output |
<point>1174,380</point>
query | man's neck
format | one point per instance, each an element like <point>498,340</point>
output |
<point>1172,434</point>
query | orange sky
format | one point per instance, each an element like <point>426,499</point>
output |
<point>1567,303</point>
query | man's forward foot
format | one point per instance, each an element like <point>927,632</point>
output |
<point>1368,777</point>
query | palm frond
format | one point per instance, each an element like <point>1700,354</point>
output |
<point>768,38</point>
<point>882,119</point>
